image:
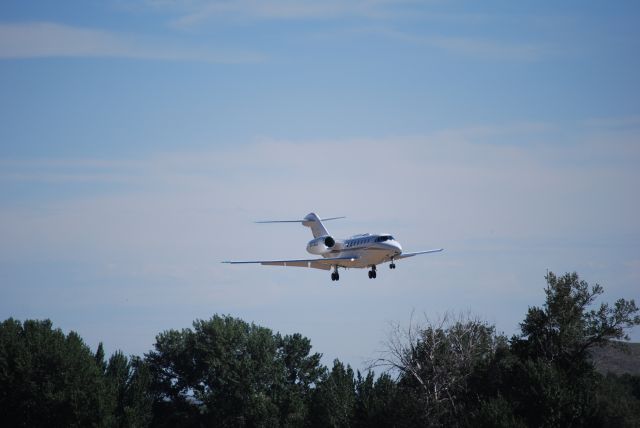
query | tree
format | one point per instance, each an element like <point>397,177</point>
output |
<point>565,329</point>
<point>129,380</point>
<point>334,397</point>
<point>435,363</point>
<point>99,357</point>
<point>376,402</point>
<point>302,370</point>
<point>618,401</point>
<point>231,373</point>
<point>48,378</point>
<point>547,375</point>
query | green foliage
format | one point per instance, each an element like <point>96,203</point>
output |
<point>437,364</point>
<point>302,370</point>
<point>231,373</point>
<point>547,374</point>
<point>618,401</point>
<point>565,329</point>
<point>376,401</point>
<point>496,412</point>
<point>99,357</point>
<point>226,372</point>
<point>334,398</point>
<point>128,380</point>
<point>48,378</point>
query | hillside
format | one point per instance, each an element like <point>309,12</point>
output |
<point>618,361</point>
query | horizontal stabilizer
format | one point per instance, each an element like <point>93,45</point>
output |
<point>296,221</point>
<point>311,221</point>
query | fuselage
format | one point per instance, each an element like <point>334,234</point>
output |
<point>366,249</point>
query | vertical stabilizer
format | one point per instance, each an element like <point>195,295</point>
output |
<point>317,228</point>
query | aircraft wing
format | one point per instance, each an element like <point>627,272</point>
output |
<point>324,264</point>
<point>405,255</point>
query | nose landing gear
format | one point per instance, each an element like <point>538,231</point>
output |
<point>335,276</point>
<point>392,265</point>
<point>372,272</point>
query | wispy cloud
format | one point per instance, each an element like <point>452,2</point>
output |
<point>485,48</point>
<point>194,13</point>
<point>613,122</point>
<point>190,14</point>
<point>46,39</point>
<point>472,47</point>
<point>59,171</point>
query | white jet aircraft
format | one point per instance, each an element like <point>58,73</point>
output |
<point>359,251</point>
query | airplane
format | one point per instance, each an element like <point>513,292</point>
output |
<point>358,251</point>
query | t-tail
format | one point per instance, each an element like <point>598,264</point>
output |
<point>312,221</point>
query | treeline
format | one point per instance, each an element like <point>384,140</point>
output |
<point>229,373</point>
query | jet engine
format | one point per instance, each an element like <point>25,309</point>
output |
<point>321,245</point>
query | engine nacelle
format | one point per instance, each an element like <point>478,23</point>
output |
<point>321,245</point>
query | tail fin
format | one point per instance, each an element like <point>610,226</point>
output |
<point>317,228</point>
<point>311,220</point>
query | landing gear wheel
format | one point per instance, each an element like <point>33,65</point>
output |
<point>392,266</point>
<point>335,276</point>
<point>372,272</point>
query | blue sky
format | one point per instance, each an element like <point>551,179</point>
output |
<point>140,139</point>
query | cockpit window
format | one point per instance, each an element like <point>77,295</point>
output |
<point>384,238</point>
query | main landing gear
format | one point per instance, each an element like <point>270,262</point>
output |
<point>335,276</point>
<point>372,272</point>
